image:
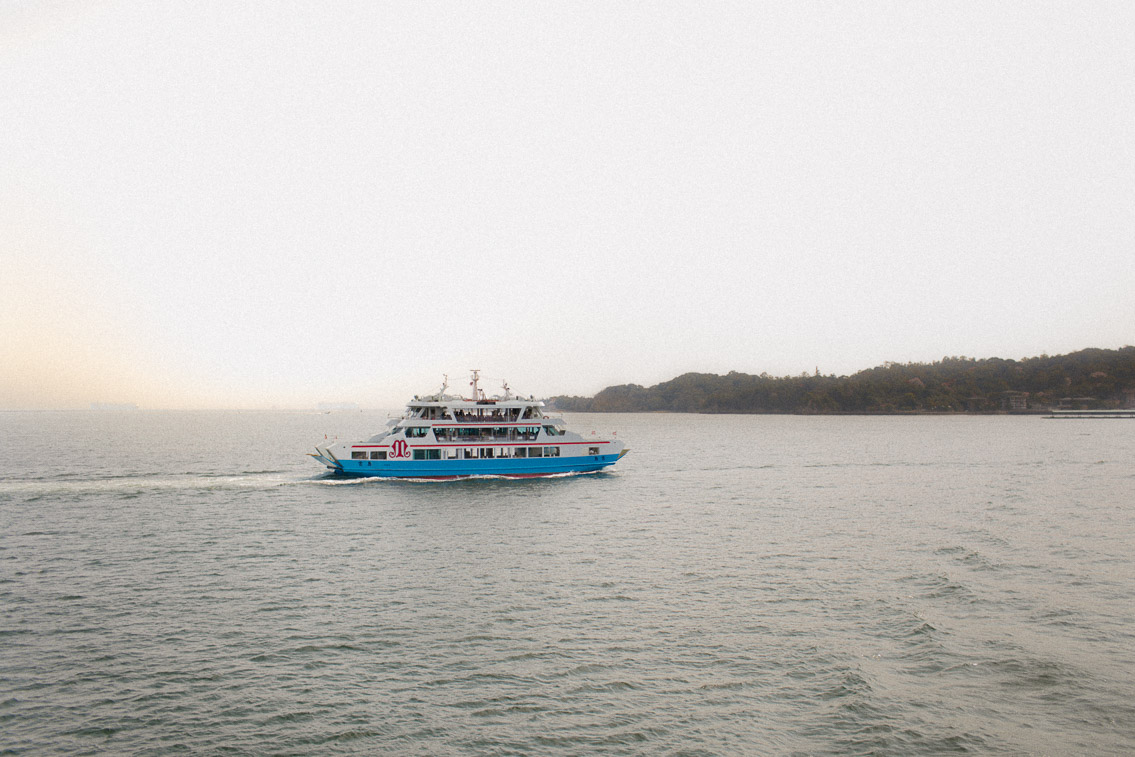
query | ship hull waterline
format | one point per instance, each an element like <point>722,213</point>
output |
<point>441,470</point>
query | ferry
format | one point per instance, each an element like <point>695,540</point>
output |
<point>441,436</point>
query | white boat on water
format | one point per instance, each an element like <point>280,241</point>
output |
<point>443,436</point>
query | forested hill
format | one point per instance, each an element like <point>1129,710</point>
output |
<point>1092,378</point>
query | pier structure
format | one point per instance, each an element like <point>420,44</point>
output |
<point>1081,414</point>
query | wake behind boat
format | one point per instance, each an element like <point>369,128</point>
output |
<point>444,436</point>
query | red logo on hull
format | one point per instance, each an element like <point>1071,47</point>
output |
<point>399,449</point>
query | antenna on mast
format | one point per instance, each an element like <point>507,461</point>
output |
<point>473,383</point>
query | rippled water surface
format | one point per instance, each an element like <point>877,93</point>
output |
<point>736,585</point>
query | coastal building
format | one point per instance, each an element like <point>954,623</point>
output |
<point>1077,403</point>
<point>1014,401</point>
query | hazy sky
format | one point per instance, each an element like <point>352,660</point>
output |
<point>221,204</point>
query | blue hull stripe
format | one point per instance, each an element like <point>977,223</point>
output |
<point>538,466</point>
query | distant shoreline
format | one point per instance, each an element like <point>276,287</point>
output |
<point>1091,379</point>
<point>833,413</point>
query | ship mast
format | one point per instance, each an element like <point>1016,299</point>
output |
<point>476,378</point>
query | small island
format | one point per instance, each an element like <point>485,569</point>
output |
<point>1090,379</point>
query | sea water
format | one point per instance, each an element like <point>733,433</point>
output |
<point>191,582</point>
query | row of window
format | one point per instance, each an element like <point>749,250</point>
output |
<point>499,434</point>
<point>481,453</point>
<point>479,415</point>
<point>521,434</point>
<point>470,453</point>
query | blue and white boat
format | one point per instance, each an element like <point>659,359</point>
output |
<point>443,436</point>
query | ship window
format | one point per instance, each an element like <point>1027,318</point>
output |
<point>358,454</point>
<point>535,451</point>
<point>378,455</point>
<point>593,450</point>
<point>486,451</point>
<point>451,454</point>
<point>419,454</point>
<point>551,452</point>
<point>520,452</point>
<point>417,433</point>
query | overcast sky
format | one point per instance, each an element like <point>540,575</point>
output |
<point>247,204</point>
